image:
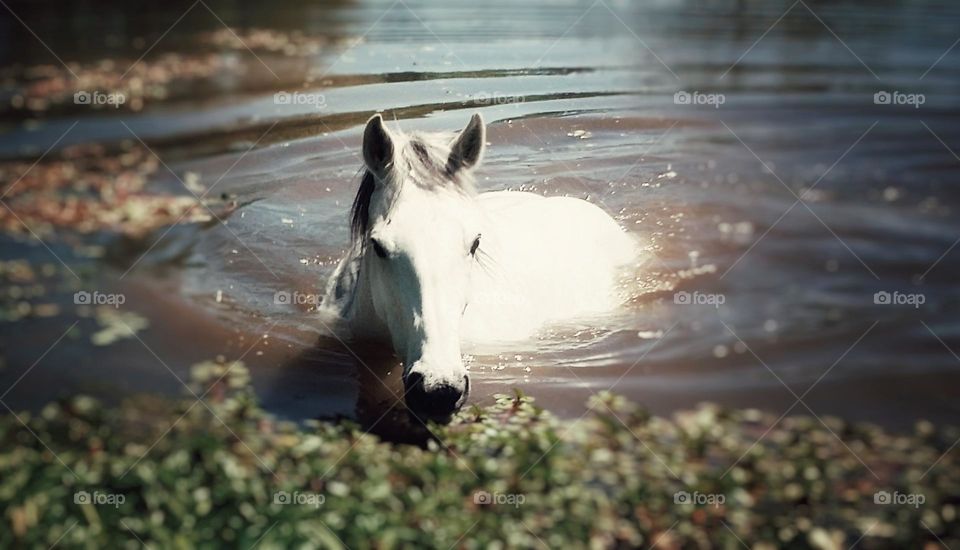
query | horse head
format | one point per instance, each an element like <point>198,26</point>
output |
<point>419,235</point>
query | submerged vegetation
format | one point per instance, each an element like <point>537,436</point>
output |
<point>138,81</point>
<point>223,472</point>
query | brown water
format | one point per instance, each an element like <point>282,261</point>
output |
<point>580,100</point>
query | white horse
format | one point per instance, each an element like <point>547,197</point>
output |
<point>433,263</point>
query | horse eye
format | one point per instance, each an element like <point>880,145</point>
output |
<point>378,248</point>
<point>475,246</point>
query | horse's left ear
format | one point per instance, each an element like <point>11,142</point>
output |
<point>467,149</point>
<point>377,145</point>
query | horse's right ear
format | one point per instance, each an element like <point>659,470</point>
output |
<point>377,145</point>
<point>467,149</point>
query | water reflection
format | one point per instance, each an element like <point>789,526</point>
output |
<point>370,387</point>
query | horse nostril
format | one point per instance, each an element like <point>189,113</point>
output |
<point>413,383</point>
<point>434,402</point>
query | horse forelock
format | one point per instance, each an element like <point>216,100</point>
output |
<point>420,159</point>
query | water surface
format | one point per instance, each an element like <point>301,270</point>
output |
<point>787,193</point>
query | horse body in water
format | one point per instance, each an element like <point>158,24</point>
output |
<point>433,263</point>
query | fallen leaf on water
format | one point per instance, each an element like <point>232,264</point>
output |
<point>116,325</point>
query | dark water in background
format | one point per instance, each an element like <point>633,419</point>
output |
<point>712,189</point>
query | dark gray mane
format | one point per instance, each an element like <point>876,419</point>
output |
<point>360,213</point>
<point>426,158</point>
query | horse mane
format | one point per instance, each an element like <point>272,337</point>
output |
<point>360,212</point>
<point>424,156</point>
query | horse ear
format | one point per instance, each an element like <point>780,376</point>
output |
<point>377,145</point>
<point>467,149</point>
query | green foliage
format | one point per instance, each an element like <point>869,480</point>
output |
<point>222,473</point>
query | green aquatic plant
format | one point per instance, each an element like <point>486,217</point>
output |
<point>222,472</point>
